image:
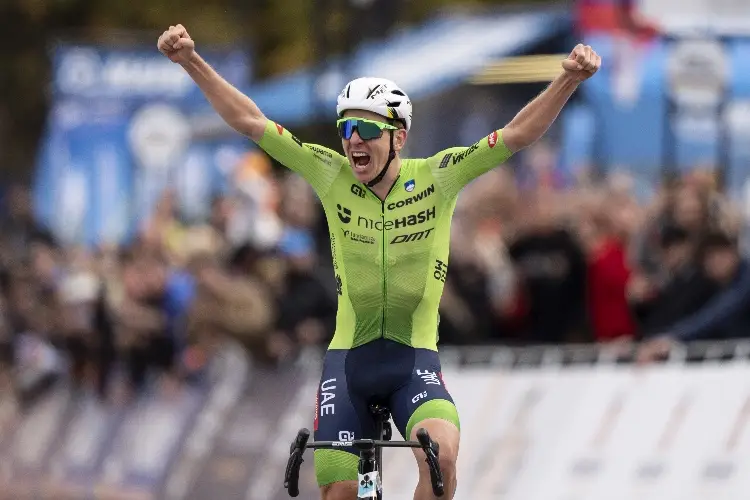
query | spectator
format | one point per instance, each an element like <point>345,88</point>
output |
<point>77,295</point>
<point>305,300</point>
<point>234,305</point>
<point>607,277</point>
<point>684,288</point>
<point>552,271</point>
<point>727,314</point>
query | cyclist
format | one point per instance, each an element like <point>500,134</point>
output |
<point>389,222</point>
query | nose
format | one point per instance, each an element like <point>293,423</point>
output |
<point>356,139</point>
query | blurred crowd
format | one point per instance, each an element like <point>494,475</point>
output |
<point>116,320</point>
<point>536,257</point>
<point>541,257</point>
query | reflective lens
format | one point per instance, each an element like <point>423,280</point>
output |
<point>366,129</point>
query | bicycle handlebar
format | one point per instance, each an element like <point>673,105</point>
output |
<point>430,448</point>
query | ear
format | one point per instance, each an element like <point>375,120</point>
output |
<point>399,139</point>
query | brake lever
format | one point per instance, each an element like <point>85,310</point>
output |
<point>291,477</point>
<point>432,452</point>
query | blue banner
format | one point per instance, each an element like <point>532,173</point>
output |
<point>124,126</point>
<point>622,122</point>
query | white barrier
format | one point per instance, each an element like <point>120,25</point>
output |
<point>669,432</point>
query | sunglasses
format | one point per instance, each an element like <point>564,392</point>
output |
<point>367,129</point>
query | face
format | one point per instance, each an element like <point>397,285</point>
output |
<point>720,264</point>
<point>677,255</point>
<point>689,209</point>
<point>367,158</point>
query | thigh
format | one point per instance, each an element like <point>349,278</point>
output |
<point>423,396</point>
<point>340,415</point>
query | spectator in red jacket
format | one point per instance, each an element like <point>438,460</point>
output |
<point>607,278</point>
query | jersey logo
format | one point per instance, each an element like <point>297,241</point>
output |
<point>465,153</point>
<point>407,238</point>
<point>409,185</point>
<point>413,199</point>
<point>492,139</point>
<point>345,215</point>
<point>358,190</point>
<point>359,238</point>
<point>441,270</point>
<point>446,159</point>
<point>280,129</point>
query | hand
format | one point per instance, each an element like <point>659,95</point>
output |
<point>654,350</point>
<point>176,44</point>
<point>582,63</point>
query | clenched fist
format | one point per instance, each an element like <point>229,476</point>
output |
<point>582,62</point>
<point>176,44</point>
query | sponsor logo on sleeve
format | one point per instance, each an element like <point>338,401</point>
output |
<point>458,158</point>
<point>492,139</point>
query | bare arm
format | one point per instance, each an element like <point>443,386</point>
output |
<point>533,121</point>
<point>237,110</point>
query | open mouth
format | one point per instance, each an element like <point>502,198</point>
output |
<point>361,161</point>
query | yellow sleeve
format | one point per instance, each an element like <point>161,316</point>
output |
<point>318,165</point>
<point>455,167</point>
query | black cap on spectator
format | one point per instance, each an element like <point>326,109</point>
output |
<point>673,235</point>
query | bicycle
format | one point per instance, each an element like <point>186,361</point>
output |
<point>370,472</point>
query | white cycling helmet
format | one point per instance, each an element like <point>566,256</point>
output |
<point>378,95</point>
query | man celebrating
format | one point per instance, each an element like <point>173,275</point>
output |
<point>389,220</point>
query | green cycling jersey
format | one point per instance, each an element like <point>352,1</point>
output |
<point>390,256</point>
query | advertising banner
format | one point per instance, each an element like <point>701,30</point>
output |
<point>580,433</point>
<point>124,125</point>
<point>670,432</point>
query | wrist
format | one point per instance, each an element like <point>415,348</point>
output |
<point>568,80</point>
<point>192,61</point>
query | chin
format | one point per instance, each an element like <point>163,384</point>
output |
<point>363,176</point>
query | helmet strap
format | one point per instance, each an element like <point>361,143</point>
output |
<point>391,156</point>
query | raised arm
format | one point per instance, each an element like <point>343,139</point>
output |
<point>318,165</point>
<point>237,110</point>
<point>456,167</point>
<point>532,122</point>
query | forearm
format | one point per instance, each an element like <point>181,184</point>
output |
<point>235,108</point>
<point>533,121</point>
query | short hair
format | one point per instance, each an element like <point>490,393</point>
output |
<point>673,235</point>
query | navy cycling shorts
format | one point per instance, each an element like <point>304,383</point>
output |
<point>405,379</point>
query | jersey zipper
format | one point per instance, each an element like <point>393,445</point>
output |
<point>384,260</point>
<point>385,271</point>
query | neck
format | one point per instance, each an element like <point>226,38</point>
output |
<point>382,188</point>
